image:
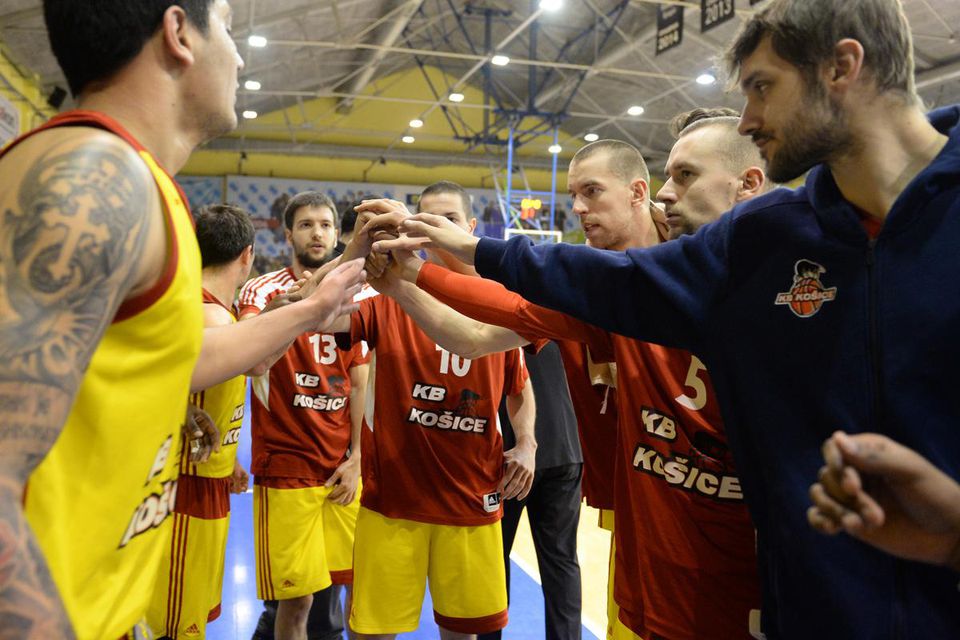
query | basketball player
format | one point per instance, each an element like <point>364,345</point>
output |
<point>434,469</point>
<point>190,581</point>
<point>829,89</point>
<point>669,418</point>
<point>102,325</point>
<point>554,497</point>
<point>307,413</point>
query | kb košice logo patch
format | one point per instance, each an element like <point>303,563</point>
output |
<point>807,294</point>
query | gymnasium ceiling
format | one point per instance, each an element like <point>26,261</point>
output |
<point>343,78</point>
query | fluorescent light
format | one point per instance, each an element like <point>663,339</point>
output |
<point>408,139</point>
<point>500,60</point>
<point>706,78</point>
<point>635,110</point>
<point>551,5</point>
<point>251,85</point>
<point>416,123</point>
<point>554,148</point>
<point>456,97</point>
<point>249,115</point>
<point>591,137</point>
<point>257,41</point>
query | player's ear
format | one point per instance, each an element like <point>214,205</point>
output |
<point>177,36</point>
<point>640,190</point>
<point>472,224</point>
<point>752,181</point>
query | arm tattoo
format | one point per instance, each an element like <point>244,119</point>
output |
<point>68,247</point>
<point>65,259</point>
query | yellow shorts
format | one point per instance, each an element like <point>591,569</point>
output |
<point>606,520</point>
<point>190,581</point>
<point>395,557</point>
<point>616,630</point>
<point>304,542</point>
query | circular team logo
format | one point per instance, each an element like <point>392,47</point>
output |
<point>807,294</point>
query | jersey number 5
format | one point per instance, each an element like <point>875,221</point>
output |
<point>329,355</point>
<point>699,398</point>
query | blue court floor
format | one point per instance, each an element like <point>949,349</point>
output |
<point>241,609</point>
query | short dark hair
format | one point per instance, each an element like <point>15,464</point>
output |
<point>223,232</point>
<point>308,199</point>
<point>686,119</point>
<point>738,152</point>
<point>805,32</point>
<point>93,43</point>
<point>348,219</point>
<point>624,159</point>
<point>446,186</point>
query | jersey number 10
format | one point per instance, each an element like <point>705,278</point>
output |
<point>451,360</point>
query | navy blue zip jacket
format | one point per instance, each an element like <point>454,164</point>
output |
<point>806,327</point>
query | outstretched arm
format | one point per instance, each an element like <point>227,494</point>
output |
<point>278,301</point>
<point>451,330</point>
<point>488,301</point>
<point>888,496</point>
<point>79,224</point>
<point>230,351</point>
<point>663,294</point>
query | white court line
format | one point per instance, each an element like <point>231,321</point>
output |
<point>534,574</point>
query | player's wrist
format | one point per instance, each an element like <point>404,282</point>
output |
<point>468,250</point>
<point>527,442</point>
<point>355,249</point>
<point>410,270</point>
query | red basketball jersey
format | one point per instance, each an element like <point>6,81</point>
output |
<point>596,409</point>
<point>686,564</point>
<point>435,453</point>
<point>300,409</point>
<point>681,518</point>
<point>594,405</point>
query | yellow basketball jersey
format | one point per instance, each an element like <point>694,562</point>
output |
<point>99,501</point>
<point>224,402</point>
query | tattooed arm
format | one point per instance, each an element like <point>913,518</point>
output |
<point>80,230</point>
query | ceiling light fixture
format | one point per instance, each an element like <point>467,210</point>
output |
<point>554,148</point>
<point>500,60</point>
<point>257,41</point>
<point>456,97</point>
<point>408,139</point>
<point>591,137</point>
<point>706,79</point>
<point>416,123</point>
<point>551,5</point>
<point>251,85</point>
<point>635,110</point>
<point>249,115</point>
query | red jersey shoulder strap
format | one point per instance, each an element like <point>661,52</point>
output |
<point>80,118</point>
<point>209,298</point>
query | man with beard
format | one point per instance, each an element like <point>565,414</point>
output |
<point>830,88</point>
<point>306,416</point>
